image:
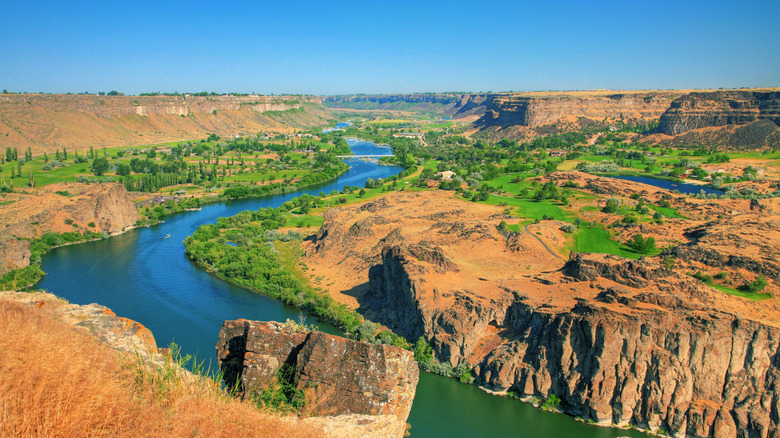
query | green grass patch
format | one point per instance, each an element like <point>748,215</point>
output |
<point>667,212</point>
<point>755,296</point>
<point>596,239</point>
<point>531,209</point>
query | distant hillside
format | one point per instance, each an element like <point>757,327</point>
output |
<point>45,122</point>
<point>445,104</point>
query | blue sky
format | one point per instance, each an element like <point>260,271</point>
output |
<point>387,47</point>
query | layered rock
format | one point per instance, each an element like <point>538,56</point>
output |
<point>104,208</point>
<point>455,105</point>
<point>619,341</point>
<point>718,108</point>
<point>533,111</point>
<point>337,375</point>
<point>749,241</point>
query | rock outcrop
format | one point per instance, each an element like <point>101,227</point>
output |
<point>117,332</point>
<point>533,111</point>
<point>337,375</point>
<point>749,241</point>
<point>619,341</point>
<point>718,108</point>
<point>103,208</point>
<point>454,105</point>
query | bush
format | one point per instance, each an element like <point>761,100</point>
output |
<point>611,206</point>
<point>756,286</point>
<point>641,245</point>
<point>551,403</point>
<point>568,228</point>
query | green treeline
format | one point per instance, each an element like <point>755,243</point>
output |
<point>27,276</point>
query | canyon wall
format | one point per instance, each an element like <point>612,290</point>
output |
<point>718,108</point>
<point>337,376</point>
<point>103,208</point>
<point>533,111</point>
<point>446,104</point>
<point>645,346</point>
<point>45,122</point>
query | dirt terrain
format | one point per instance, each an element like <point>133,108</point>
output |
<point>438,226</point>
<point>618,340</point>
<point>47,122</point>
<point>31,212</point>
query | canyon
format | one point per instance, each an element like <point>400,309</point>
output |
<point>46,122</point>
<point>101,208</point>
<point>619,341</point>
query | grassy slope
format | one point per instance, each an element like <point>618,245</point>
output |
<point>80,387</point>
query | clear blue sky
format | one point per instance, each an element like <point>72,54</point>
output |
<point>387,47</point>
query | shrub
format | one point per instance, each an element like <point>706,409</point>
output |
<point>611,206</point>
<point>756,286</point>
<point>641,245</point>
<point>551,403</point>
<point>568,228</point>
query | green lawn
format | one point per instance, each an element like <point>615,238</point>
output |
<point>667,212</point>
<point>755,296</point>
<point>531,209</point>
<point>596,239</point>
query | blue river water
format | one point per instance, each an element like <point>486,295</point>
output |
<point>143,276</point>
<point>688,189</point>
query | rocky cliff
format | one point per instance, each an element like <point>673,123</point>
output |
<point>718,108</point>
<point>531,110</point>
<point>619,341</point>
<point>454,105</point>
<point>103,208</point>
<point>52,121</point>
<point>337,375</point>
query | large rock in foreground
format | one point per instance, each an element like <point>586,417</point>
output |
<point>338,375</point>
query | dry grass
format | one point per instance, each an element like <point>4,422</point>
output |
<point>59,381</point>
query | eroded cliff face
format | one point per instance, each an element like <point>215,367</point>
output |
<point>718,108</point>
<point>339,376</point>
<point>619,341</point>
<point>454,105</point>
<point>107,207</point>
<point>49,122</point>
<point>533,111</point>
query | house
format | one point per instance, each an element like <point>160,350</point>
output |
<point>446,175</point>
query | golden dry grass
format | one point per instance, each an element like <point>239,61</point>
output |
<point>59,381</point>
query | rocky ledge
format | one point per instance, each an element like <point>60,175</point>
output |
<point>337,375</point>
<point>618,341</point>
<point>63,207</point>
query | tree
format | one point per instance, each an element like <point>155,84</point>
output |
<point>122,169</point>
<point>612,205</point>
<point>100,166</point>
<point>642,245</point>
<point>756,286</point>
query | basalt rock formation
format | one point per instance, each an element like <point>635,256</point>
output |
<point>52,121</point>
<point>718,108</point>
<point>117,332</point>
<point>338,375</point>
<point>454,105</point>
<point>104,208</point>
<point>749,241</point>
<point>534,111</point>
<point>617,340</point>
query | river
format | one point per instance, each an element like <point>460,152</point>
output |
<point>145,277</point>
<point>686,188</point>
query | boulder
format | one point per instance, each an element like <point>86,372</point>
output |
<point>337,375</point>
